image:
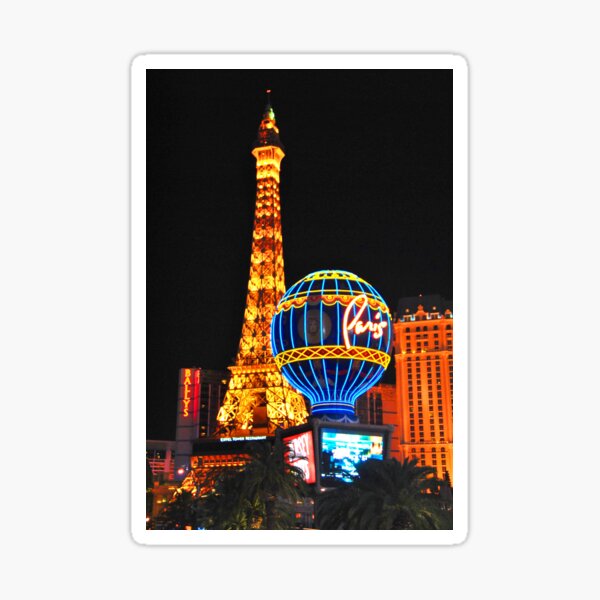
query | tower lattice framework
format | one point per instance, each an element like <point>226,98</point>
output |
<point>258,399</point>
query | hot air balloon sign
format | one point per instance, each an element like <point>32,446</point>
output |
<point>331,336</point>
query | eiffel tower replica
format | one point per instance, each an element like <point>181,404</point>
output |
<point>258,399</point>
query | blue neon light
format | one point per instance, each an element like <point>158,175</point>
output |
<point>331,384</point>
<point>310,362</point>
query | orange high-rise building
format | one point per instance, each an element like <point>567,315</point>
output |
<point>424,349</point>
<point>379,406</point>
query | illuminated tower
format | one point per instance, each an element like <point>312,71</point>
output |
<point>258,399</point>
<point>424,356</point>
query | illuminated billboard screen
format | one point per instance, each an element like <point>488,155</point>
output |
<point>342,451</point>
<point>301,454</point>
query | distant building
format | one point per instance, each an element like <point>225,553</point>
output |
<point>423,344</point>
<point>213,386</point>
<point>379,406</point>
<point>201,393</point>
<point>430,303</point>
<point>160,455</point>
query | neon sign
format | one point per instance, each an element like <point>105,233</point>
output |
<point>189,391</point>
<point>359,327</point>
<point>247,438</point>
<point>187,383</point>
<point>331,339</point>
<point>301,454</point>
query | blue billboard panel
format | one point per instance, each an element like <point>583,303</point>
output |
<point>342,451</point>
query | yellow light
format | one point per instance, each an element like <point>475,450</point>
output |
<point>338,352</point>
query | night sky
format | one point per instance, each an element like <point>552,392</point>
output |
<point>366,186</point>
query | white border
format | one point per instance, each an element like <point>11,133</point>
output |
<point>138,295</point>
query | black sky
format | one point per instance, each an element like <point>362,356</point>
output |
<point>366,186</point>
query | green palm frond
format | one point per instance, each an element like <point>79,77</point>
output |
<point>388,494</point>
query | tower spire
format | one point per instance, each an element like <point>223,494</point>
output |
<point>268,132</point>
<point>258,399</point>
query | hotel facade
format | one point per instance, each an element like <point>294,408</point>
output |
<point>423,344</point>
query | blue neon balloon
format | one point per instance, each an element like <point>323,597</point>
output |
<point>331,336</point>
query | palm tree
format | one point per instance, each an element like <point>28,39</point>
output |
<point>226,507</point>
<point>274,483</point>
<point>388,495</point>
<point>256,496</point>
<point>179,513</point>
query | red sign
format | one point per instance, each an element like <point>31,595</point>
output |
<point>302,454</point>
<point>190,387</point>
